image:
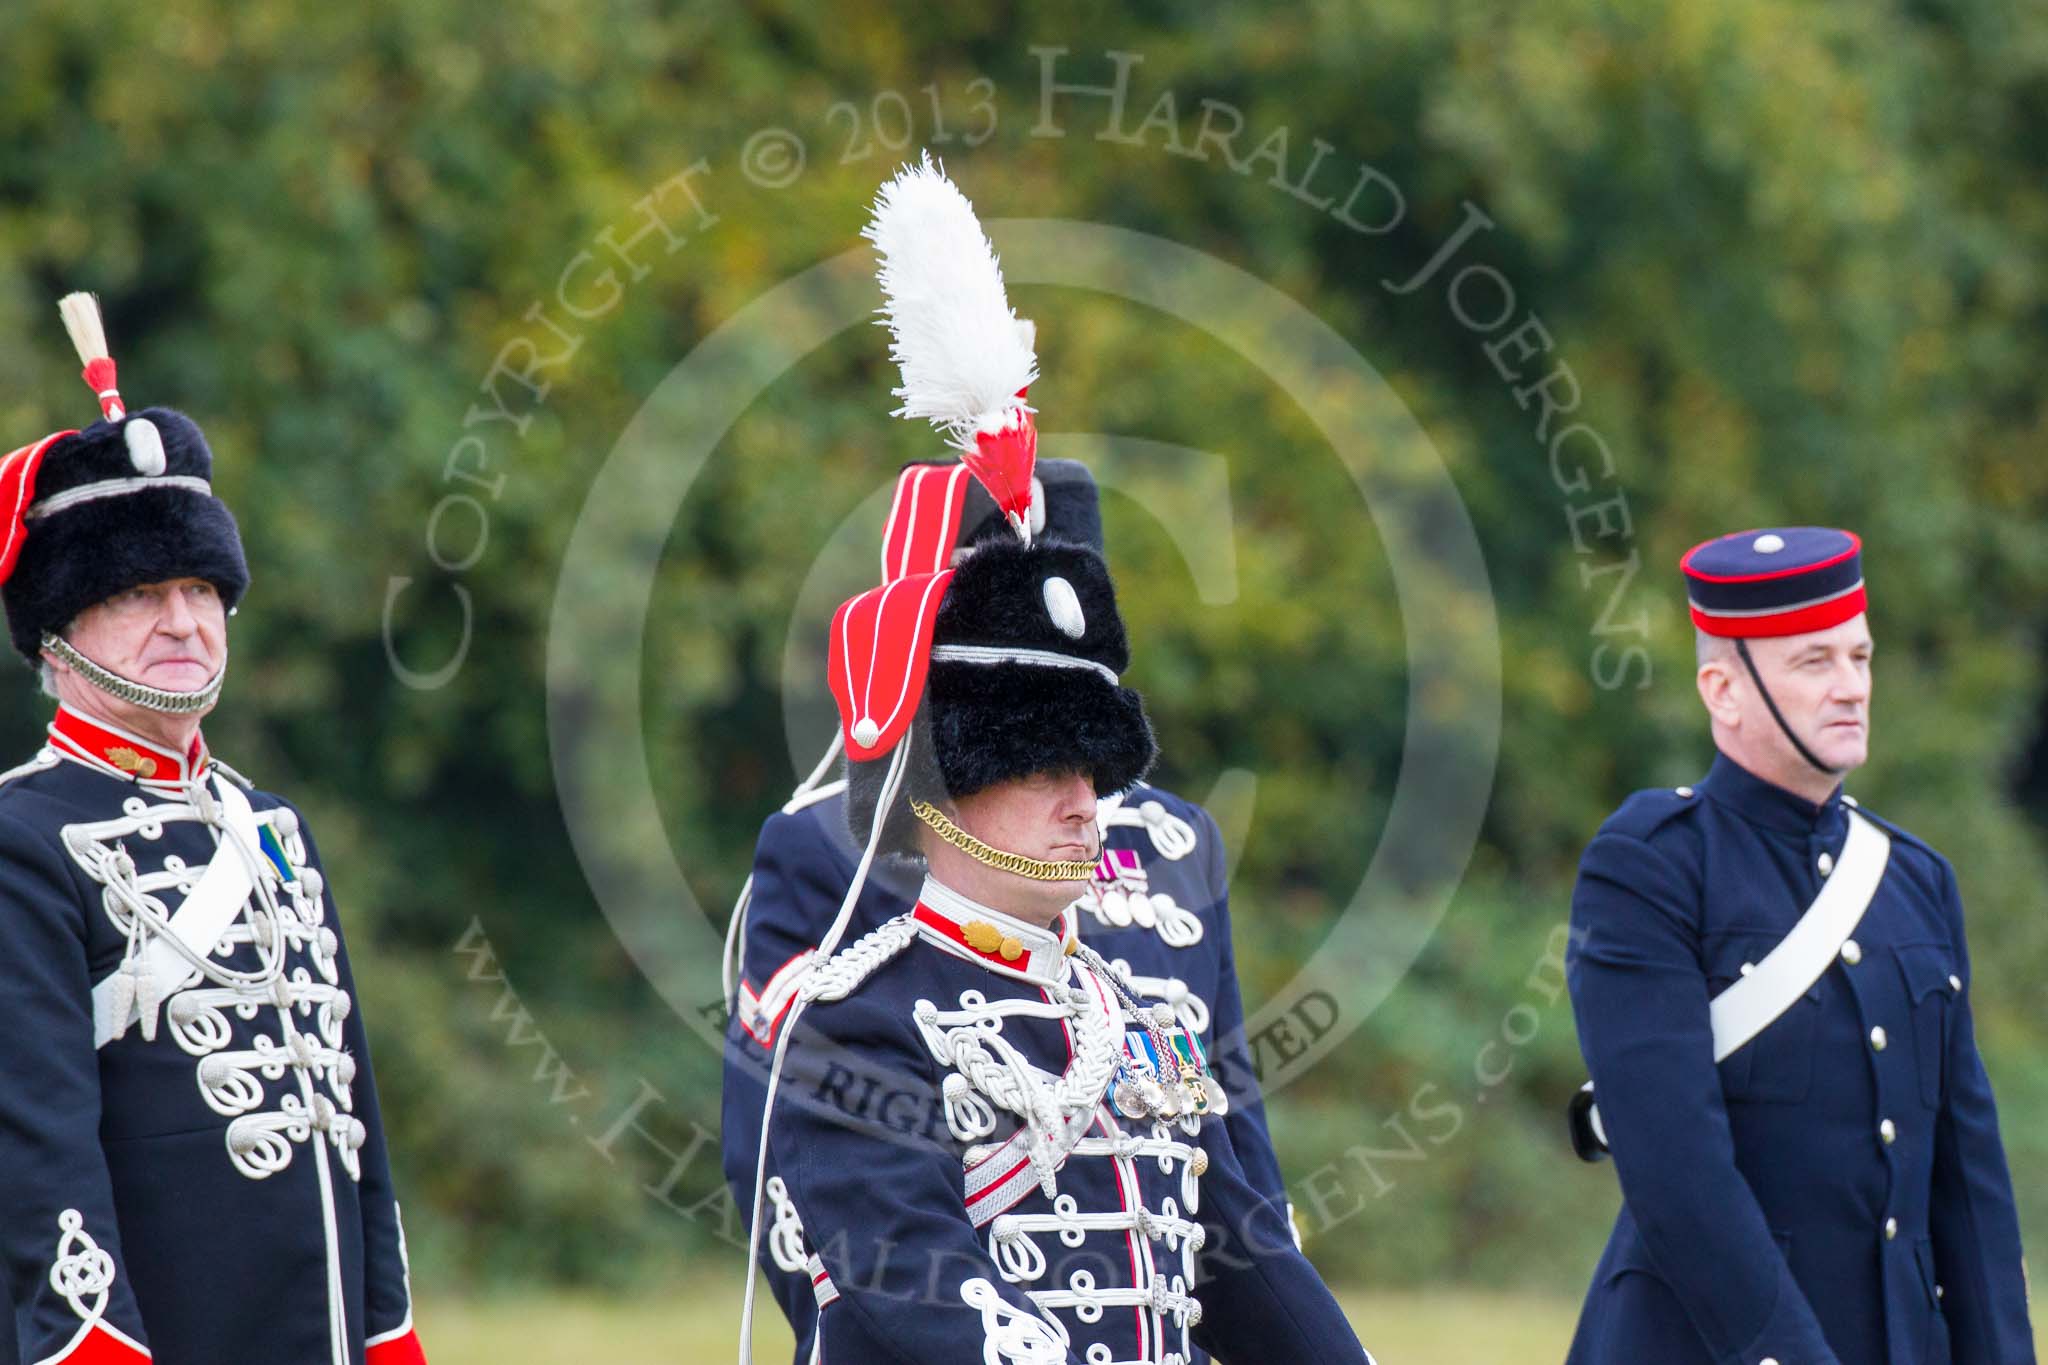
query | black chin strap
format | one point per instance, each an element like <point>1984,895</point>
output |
<point>1742,648</point>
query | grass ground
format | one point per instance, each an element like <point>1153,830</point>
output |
<point>701,1327</point>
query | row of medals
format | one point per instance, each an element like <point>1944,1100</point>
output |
<point>1141,1092</point>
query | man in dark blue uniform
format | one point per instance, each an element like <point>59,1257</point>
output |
<point>192,1170</point>
<point>997,1149</point>
<point>1834,1191</point>
<point>1158,905</point>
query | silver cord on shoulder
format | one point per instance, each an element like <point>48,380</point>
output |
<point>139,694</point>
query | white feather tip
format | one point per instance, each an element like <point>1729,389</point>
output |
<point>963,352</point>
<point>81,314</point>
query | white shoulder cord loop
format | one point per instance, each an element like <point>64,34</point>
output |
<point>736,927</point>
<point>1172,836</point>
<point>890,785</point>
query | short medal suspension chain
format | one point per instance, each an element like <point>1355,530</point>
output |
<point>1742,648</point>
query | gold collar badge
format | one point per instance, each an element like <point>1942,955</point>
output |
<point>984,937</point>
<point>128,761</point>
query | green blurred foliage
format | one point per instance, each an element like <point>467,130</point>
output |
<point>1792,255</point>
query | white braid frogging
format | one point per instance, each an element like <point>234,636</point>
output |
<point>1171,835</point>
<point>1058,1112</point>
<point>1128,899</point>
<point>81,1270</point>
<point>298,976</point>
<point>1011,1335</point>
<point>1055,1113</point>
<point>786,1238</point>
<point>989,1074</point>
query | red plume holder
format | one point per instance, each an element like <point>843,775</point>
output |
<point>1003,460</point>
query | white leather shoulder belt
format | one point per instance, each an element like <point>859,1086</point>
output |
<point>1757,1000</point>
<point>208,910</point>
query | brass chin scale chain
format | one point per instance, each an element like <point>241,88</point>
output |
<point>127,689</point>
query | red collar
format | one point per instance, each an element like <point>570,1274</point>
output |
<point>1000,942</point>
<point>98,744</point>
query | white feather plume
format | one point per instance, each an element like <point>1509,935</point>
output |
<point>959,345</point>
<point>81,314</point>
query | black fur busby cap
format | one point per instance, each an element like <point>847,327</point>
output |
<point>1027,651</point>
<point>126,501</point>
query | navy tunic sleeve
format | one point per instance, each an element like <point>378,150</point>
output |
<point>1232,1060</point>
<point>797,887</point>
<point>65,1270</point>
<point>1976,1235</point>
<point>1640,998</point>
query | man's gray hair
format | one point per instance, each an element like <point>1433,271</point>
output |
<point>1707,648</point>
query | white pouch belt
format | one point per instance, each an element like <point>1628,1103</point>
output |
<point>1789,970</point>
<point>209,909</point>
<point>1756,1000</point>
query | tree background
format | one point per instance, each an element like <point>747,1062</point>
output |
<point>1792,255</point>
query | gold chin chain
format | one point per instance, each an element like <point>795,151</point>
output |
<point>1037,869</point>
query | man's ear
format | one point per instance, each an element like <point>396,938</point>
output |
<point>1720,691</point>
